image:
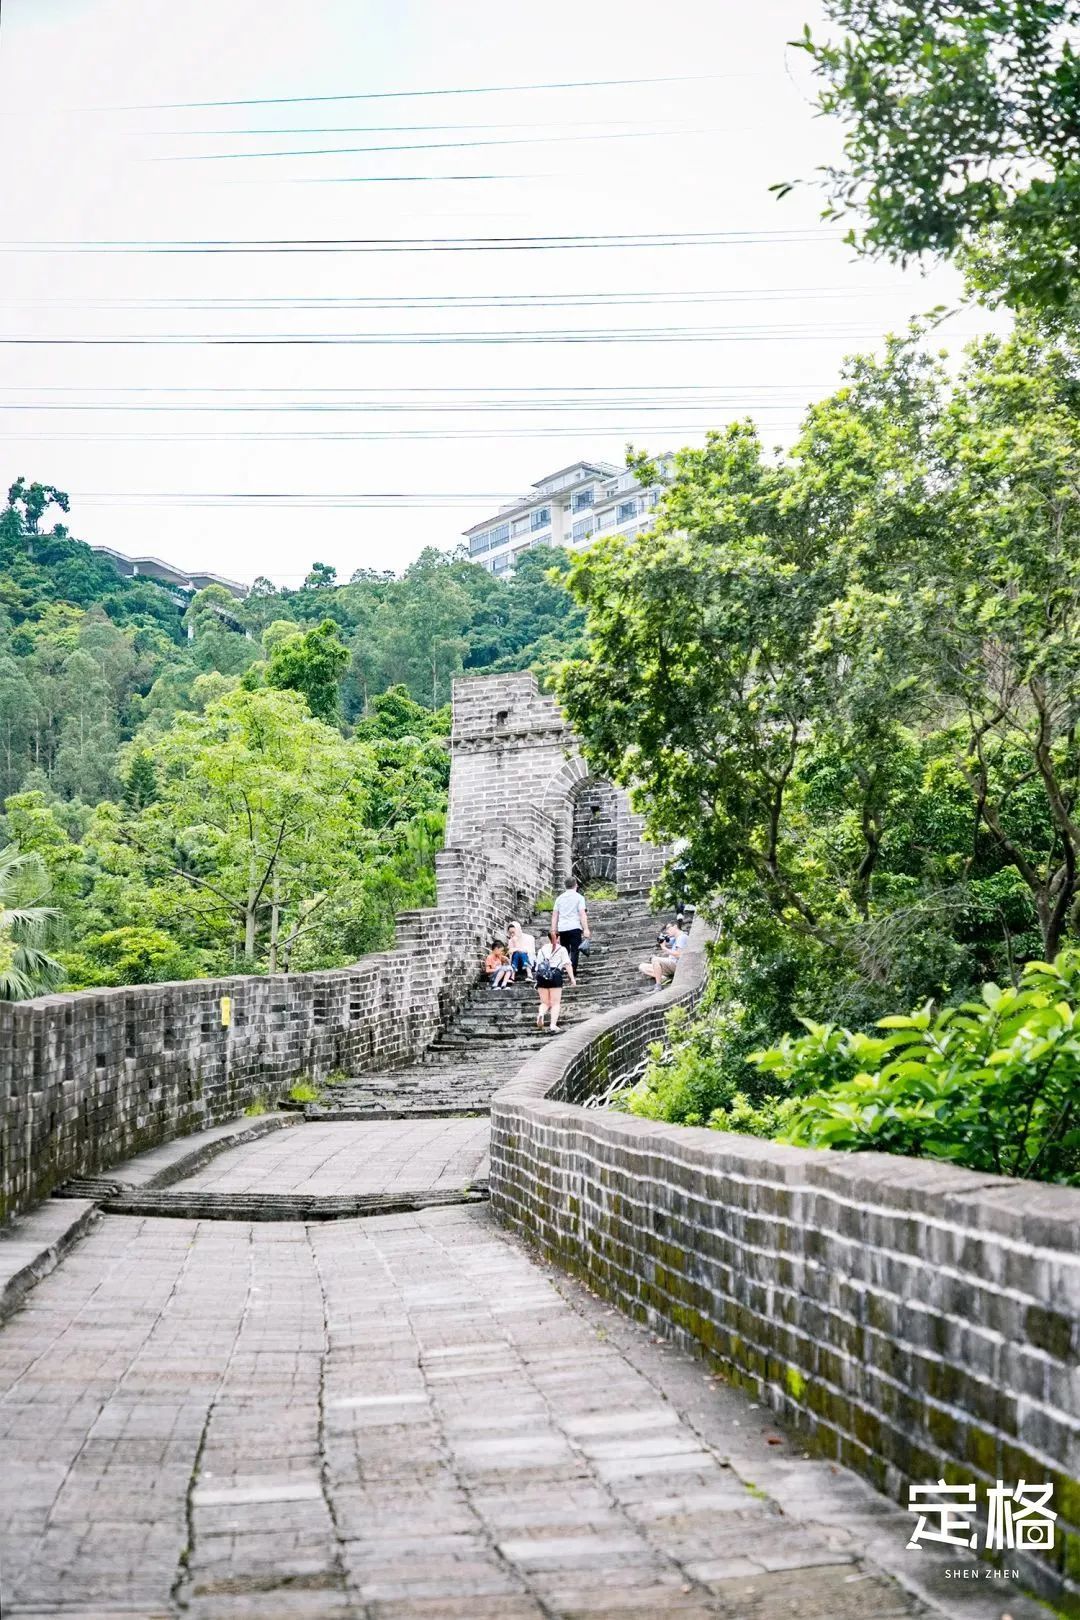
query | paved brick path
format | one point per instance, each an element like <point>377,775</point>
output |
<point>385,1156</point>
<point>402,1418</point>
<point>391,1418</point>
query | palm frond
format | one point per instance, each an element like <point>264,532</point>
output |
<point>32,918</point>
<point>24,927</point>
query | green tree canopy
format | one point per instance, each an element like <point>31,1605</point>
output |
<point>312,663</point>
<point>962,136</point>
<point>849,678</point>
<point>256,818</point>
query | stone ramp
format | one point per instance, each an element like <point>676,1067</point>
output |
<point>394,1419</point>
<point>325,1172</point>
<point>492,1035</point>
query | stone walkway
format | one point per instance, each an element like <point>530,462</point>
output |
<point>386,1156</point>
<point>390,1418</point>
<point>401,1418</point>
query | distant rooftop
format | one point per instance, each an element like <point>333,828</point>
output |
<point>602,469</point>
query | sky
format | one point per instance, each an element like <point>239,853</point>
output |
<point>252,412</point>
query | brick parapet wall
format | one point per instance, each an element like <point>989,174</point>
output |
<point>92,1077</point>
<point>913,1320</point>
<point>96,1076</point>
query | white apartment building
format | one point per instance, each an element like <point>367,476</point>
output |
<point>567,508</point>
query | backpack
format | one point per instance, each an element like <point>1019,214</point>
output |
<point>546,975</point>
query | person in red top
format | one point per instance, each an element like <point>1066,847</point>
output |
<point>497,966</point>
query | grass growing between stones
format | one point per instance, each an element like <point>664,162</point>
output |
<point>303,1091</point>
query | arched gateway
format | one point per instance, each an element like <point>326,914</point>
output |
<point>517,763</point>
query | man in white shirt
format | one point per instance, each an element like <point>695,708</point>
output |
<point>673,942</point>
<point>570,921</point>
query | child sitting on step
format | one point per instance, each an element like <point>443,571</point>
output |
<point>497,966</point>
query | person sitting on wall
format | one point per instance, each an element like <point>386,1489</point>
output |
<point>497,966</point>
<point>570,921</point>
<point>522,948</point>
<point>670,946</point>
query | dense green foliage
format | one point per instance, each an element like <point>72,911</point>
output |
<point>962,136</point>
<point>848,678</point>
<point>992,1084</point>
<point>205,784</point>
<point>26,968</point>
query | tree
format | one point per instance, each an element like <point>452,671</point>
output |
<point>34,501</point>
<point>17,705</point>
<point>1004,643</point>
<point>140,779</point>
<point>131,955</point>
<point>257,826</point>
<point>26,968</point>
<point>708,686</point>
<point>279,630</point>
<point>214,623</point>
<point>430,612</point>
<point>962,136</point>
<point>312,663</point>
<point>529,621</point>
<point>850,678</point>
<point>322,577</point>
<point>85,760</point>
<point>395,715</point>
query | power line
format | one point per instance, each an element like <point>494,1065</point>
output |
<point>377,129</point>
<point>583,300</point>
<point>672,334</point>
<point>429,244</point>
<point>421,408</point>
<point>429,146</point>
<point>649,389</point>
<point>389,410</point>
<point>397,433</point>
<point>410,95</point>
<point>392,179</point>
<point>314,500</point>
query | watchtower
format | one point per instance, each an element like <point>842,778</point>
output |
<point>513,755</point>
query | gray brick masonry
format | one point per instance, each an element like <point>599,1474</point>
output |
<point>915,1321</point>
<point>89,1078</point>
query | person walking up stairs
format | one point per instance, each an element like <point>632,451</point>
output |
<point>486,1040</point>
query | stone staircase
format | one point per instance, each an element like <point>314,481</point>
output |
<point>496,1030</point>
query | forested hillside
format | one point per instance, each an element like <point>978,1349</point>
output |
<point>205,785</point>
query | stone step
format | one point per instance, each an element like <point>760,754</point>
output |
<point>206,1205</point>
<point>492,1034</point>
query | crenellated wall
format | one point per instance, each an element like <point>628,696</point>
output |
<point>87,1079</point>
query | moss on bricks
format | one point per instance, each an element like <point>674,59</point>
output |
<point>795,1382</point>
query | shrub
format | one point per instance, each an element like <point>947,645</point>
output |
<point>131,956</point>
<point>992,1084</point>
<point>769,1118</point>
<point>700,1068</point>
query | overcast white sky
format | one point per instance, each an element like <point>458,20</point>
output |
<point>90,154</point>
